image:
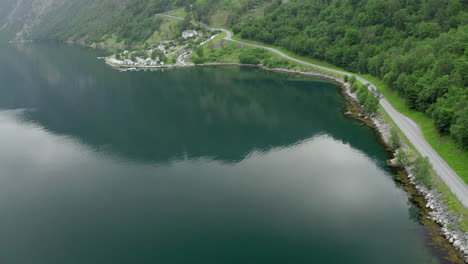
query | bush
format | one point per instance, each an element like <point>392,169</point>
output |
<point>443,117</point>
<point>394,138</point>
<point>371,104</point>
<point>198,60</point>
<point>212,58</point>
<point>158,54</point>
<point>362,95</point>
<point>422,170</point>
<point>200,52</point>
<point>354,87</point>
<point>248,59</point>
<point>275,62</point>
<point>403,158</point>
<point>459,130</point>
<point>172,60</point>
<point>370,100</point>
<point>252,56</point>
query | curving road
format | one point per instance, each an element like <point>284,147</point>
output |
<point>406,125</point>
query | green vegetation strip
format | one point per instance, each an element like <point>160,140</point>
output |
<point>220,50</point>
<point>444,145</point>
<point>290,54</point>
<point>431,178</point>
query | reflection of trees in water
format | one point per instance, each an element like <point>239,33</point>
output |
<point>220,113</point>
<point>414,211</point>
<point>218,106</point>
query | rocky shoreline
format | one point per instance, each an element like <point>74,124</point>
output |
<point>438,210</point>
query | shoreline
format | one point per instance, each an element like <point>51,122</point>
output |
<point>433,209</point>
<point>148,67</point>
<point>314,74</point>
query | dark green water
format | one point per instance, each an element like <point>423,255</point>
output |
<point>200,165</point>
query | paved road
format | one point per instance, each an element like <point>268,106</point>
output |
<point>406,125</point>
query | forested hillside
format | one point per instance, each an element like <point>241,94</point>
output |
<point>86,21</point>
<point>16,15</point>
<point>130,21</point>
<point>417,47</point>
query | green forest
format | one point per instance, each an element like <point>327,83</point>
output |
<point>418,47</point>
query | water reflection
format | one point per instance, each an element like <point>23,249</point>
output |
<point>58,190</point>
<point>202,165</point>
<point>156,117</point>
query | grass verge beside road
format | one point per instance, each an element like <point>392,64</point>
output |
<point>289,53</point>
<point>444,145</point>
<point>447,196</point>
<point>220,50</point>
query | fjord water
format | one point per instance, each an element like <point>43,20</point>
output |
<point>195,165</point>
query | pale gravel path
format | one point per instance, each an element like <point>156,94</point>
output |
<point>406,125</point>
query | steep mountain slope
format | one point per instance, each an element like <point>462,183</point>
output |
<point>86,21</point>
<point>20,16</point>
<point>131,21</point>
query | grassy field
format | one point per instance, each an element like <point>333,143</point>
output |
<point>219,18</point>
<point>218,50</point>
<point>220,37</point>
<point>223,51</point>
<point>166,31</point>
<point>111,41</point>
<point>178,13</point>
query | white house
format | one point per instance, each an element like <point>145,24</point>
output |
<point>128,62</point>
<point>189,34</point>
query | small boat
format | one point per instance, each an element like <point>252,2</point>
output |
<point>127,69</point>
